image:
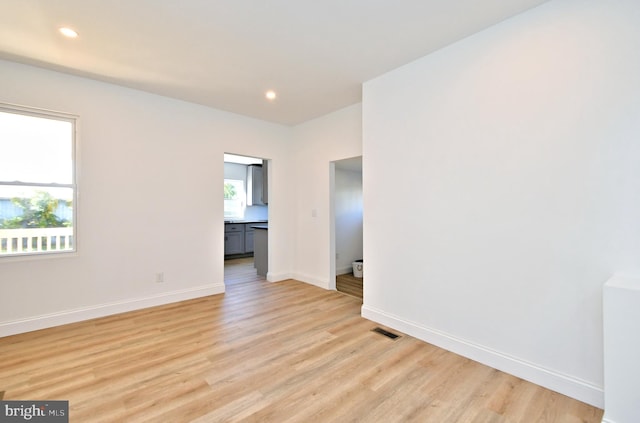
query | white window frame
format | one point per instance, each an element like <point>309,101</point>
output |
<point>74,120</point>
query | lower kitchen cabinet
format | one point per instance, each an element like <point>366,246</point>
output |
<point>239,239</point>
<point>233,243</point>
<point>248,237</point>
<point>233,239</point>
<point>261,253</point>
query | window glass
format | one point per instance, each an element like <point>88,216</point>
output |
<point>37,186</point>
<point>234,198</point>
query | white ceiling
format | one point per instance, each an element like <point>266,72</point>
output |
<point>226,53</point>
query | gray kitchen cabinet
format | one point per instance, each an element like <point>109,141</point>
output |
<point>255,185</point>
<point>248,238</point>
<point>261,253</point>
<point>233,238</point>
<point>265,181</point>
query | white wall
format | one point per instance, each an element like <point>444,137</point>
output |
<point>150,200</point>
<point>348,219</point>
<point>235,171</point>
<point>518,148</point>
<point>315,145</point>
<point>621,312</point>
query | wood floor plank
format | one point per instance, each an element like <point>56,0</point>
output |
<point>263,352</point>
<point>350,285</point>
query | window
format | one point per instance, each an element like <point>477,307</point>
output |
<point>234,198</point>
<point>37,182</point>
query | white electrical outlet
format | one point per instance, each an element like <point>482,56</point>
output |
<point>159,277</point>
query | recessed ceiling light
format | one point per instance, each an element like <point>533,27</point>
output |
<point>270,95</point>
<point>68,32</point>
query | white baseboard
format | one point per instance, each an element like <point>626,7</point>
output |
<point>101,310</point>
<point>312,280</point>
<point>573,387</point>
<point>277,277</point>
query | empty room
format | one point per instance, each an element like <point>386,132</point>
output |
<point>149,273</point>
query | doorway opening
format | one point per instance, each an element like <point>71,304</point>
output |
<point>347,226</point>
<point>246,218</point>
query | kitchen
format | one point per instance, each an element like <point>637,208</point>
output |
<point>246,212</point>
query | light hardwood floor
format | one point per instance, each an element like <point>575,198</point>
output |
<point>263,352</point>
<point>239,271</point>
<point>350,285</point>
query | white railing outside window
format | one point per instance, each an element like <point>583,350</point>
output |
<point>36,240</point>
<point>37,181</point>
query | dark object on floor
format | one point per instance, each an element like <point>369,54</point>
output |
<point>385,333</point>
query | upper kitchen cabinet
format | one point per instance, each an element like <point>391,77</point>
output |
<point>265,180</point>
<point>257,192</point>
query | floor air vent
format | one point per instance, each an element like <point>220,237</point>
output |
<point>385,333</point>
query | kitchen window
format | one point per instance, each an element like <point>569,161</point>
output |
<point>37,182</point>
<point>235,199</point>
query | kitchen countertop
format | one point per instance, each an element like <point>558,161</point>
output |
<point>245,221</point>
